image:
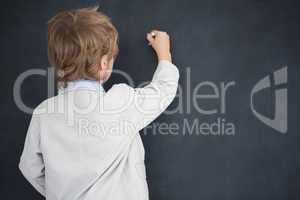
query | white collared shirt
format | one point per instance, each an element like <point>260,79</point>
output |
<point>83,144</point>
<point>80,84</point>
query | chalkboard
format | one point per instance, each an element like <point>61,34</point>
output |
<point>235,121</point>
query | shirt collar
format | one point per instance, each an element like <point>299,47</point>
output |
<point>82,84</point>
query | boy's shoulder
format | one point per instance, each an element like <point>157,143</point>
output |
<point>120,89</point>
<point>45,106</point>
<point>118,94</point>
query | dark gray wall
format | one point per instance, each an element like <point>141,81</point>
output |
<point>219,41</point>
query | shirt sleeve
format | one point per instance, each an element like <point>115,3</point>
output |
<point>31,161</point>
<point>147,103</point>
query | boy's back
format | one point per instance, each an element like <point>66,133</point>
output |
<point>84,142</point>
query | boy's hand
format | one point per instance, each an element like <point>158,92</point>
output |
<point>160,42</point>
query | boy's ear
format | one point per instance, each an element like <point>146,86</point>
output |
<point>104,62</point>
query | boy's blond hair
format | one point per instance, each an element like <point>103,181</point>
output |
<point>77,40</point>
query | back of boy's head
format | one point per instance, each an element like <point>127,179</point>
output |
<point>77,40</point>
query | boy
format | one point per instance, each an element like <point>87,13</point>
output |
<point>84,142</point>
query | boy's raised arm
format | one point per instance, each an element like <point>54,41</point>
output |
<point>147,103</point>
<point>153,99</point>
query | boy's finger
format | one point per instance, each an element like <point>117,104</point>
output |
<point>150,38</point>
<point>155,32</point>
